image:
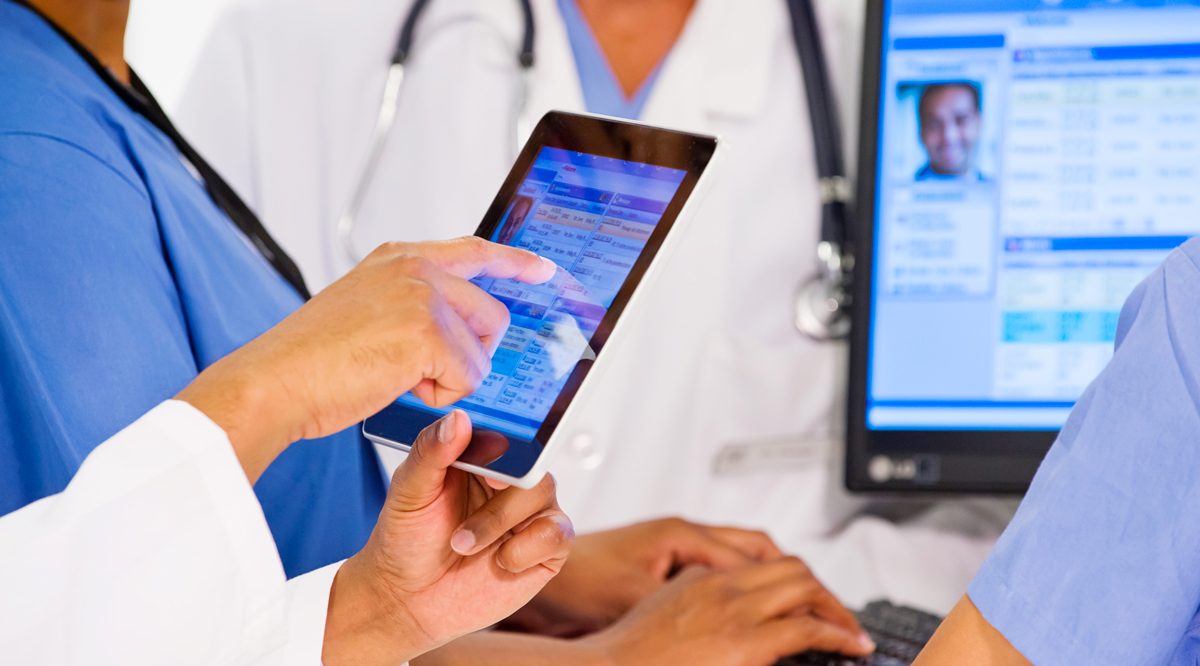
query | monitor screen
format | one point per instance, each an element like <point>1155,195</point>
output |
<point>592,216</point>
<point>1035,160</point>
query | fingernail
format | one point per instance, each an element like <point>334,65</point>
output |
<point>565,526</point>
<point>462,542</point>
<point>550,263</point>
<point>446,427</point>
<point>864,641</point>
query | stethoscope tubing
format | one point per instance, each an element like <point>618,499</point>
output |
<point>820,304</point>
<point>390,103</point>
<point>383,127</point>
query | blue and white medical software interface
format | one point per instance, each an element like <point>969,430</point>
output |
<point>592,216</point>
<point>1036,161</point>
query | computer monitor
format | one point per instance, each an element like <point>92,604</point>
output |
<point>1024,164</point>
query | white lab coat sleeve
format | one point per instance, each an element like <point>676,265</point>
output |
<point>157,552</point>
<point>307,607</point>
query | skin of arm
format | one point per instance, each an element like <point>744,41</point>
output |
<point>278,388</point>
<point>450,553</point>
<point>406,318</point>
<point>498,648</point>
<point>610,572</point>
<point>746,616</point>
<point>967,638</point>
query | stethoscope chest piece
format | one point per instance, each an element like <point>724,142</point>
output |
<point>820,304</point>
<point>819,312</point>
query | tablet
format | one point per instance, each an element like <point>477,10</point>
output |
<point>606,200</point>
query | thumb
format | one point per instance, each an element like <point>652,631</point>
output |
<point>419,479</point>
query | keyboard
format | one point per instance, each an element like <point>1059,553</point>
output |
<point>899,633</point>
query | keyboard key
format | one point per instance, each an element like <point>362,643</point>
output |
<point>899,633</point>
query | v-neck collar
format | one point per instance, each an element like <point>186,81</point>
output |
<point>602,91</point>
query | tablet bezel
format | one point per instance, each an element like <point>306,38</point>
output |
<point>398,424</point>
<point>997,462</point>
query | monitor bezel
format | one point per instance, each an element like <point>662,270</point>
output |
<point>999,462</point>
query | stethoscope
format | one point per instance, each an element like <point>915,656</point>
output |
<point>391,101</point>
<point>821,303</point>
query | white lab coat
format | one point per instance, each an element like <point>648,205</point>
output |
<point>715,408</point>
<point>156,553</point>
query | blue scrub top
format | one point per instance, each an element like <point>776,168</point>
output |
<point>119,281</point>
<point>1101,564</point>
<point>602,92</point>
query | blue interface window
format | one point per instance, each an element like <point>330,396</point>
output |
<point>592,216</point>
<point>1036,160</point>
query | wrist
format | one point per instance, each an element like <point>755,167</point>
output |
<point>243,405</point>
<point>366,624</point>
<point>500,648</point>
<point>597,648</point>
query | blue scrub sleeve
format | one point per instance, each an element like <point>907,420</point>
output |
<point>68,255</point>
<point>1101,564</point>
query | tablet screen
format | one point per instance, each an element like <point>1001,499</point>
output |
<point>593,216</point>
<point>599,197</point>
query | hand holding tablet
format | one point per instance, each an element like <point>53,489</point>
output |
<point>451,553</point>
<point>606,201</point>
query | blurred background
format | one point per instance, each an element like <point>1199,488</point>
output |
<point>165,55</point>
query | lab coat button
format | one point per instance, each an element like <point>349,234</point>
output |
<point>586,451</point>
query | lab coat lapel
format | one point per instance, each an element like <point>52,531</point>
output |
<point>555,82</point>
<point>720,66</point>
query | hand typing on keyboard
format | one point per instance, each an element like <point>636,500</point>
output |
<point>748,616</point>
<point>899,632</point>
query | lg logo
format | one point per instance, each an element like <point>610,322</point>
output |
<point>918,469</point>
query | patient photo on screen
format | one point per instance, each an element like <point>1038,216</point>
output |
<point>517,213</point>
<point>951,138</point>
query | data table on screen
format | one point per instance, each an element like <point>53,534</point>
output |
<point>592,217</point>
<point>998,286</point>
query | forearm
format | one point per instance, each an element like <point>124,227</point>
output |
<point>249,406</point>
<point>966,637</point>
<point>362,628</point>
<point>498,648</point>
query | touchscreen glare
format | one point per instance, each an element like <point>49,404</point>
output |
<point>592,216</point>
